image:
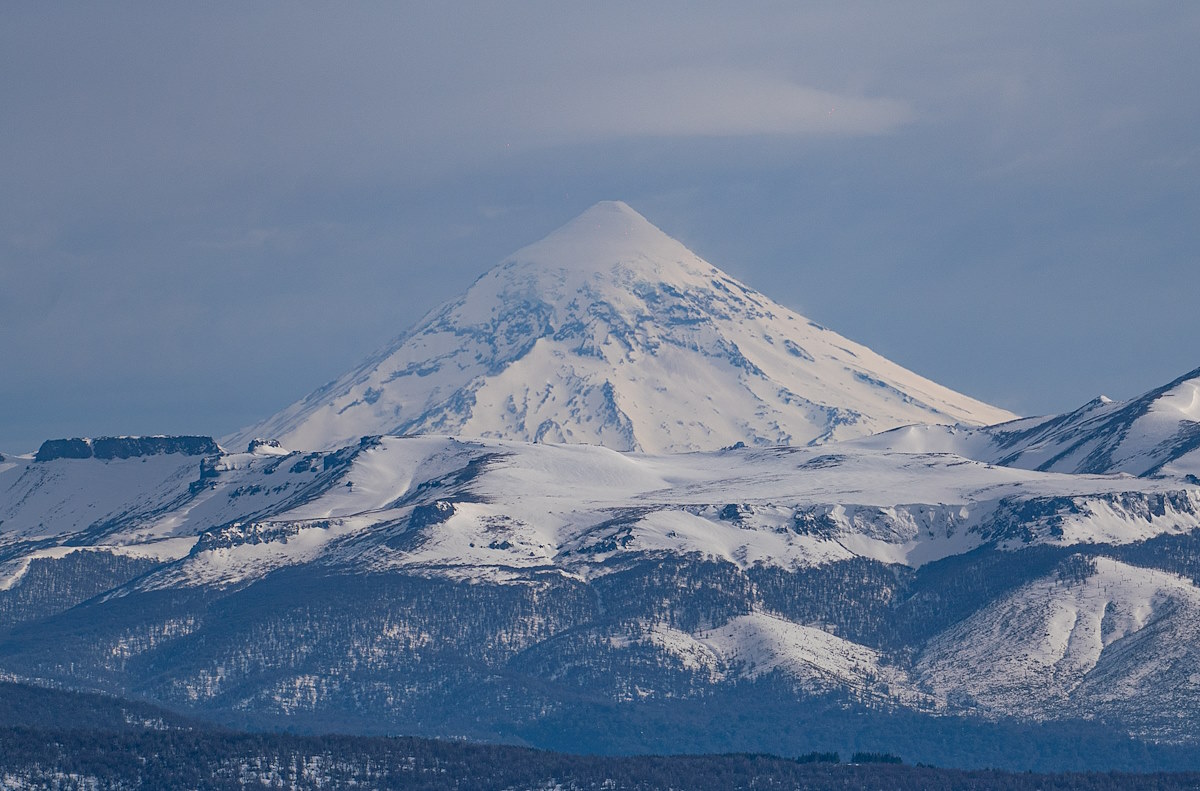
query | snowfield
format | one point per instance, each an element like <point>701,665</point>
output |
<point>485,507</point>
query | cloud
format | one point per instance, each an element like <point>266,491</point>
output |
<point>709,102</point>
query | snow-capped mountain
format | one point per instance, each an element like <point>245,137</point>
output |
<point>533,561</point>
<point>609,332</point>
<point>1155,434</point>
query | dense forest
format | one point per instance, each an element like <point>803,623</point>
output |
<point>547,664</point>
<point>210,759</point>
<point>66,740</point>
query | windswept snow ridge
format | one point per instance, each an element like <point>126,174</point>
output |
<point>1154,435</point>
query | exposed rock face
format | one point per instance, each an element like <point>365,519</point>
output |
<point>53,449</point>
<point>266,447</point>
<point>124,447</point>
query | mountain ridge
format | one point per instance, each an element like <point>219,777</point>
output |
<point>496,588</point>
<point>1154,434</point>
<point>399,581</point>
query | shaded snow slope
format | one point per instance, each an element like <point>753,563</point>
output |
<point>68,496</point>
<point>609,332</point>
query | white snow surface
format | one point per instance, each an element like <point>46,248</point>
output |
<point>64,496</point>
<point>499,508</point>
<point>609,332</point>
<point>1123,637</point>
<point>1156,434</point>
<point>760,643</point>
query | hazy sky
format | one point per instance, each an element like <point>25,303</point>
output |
<point>209,211</point>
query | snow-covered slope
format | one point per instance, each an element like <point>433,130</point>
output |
<point>484,508</point>
<point>757,644</point>
<point>149,497</point>
<point>1156,434</point>
<point>820,569</point>
<point>73,486</point>
<point>609,332</point>
<point>1099,638</point>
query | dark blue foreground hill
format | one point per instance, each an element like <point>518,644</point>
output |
<point>95,742</point>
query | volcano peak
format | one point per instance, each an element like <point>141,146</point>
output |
<point>609,332</point>
<point>607,235</point>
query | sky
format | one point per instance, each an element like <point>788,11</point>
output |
<point>209,210</point>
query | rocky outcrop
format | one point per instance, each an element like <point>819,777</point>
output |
<point>125,447</point>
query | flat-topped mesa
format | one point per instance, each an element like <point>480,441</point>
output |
<point>610,332</point>
<point>107,448</point>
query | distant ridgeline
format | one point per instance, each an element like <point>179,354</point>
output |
<point>124,447</point>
